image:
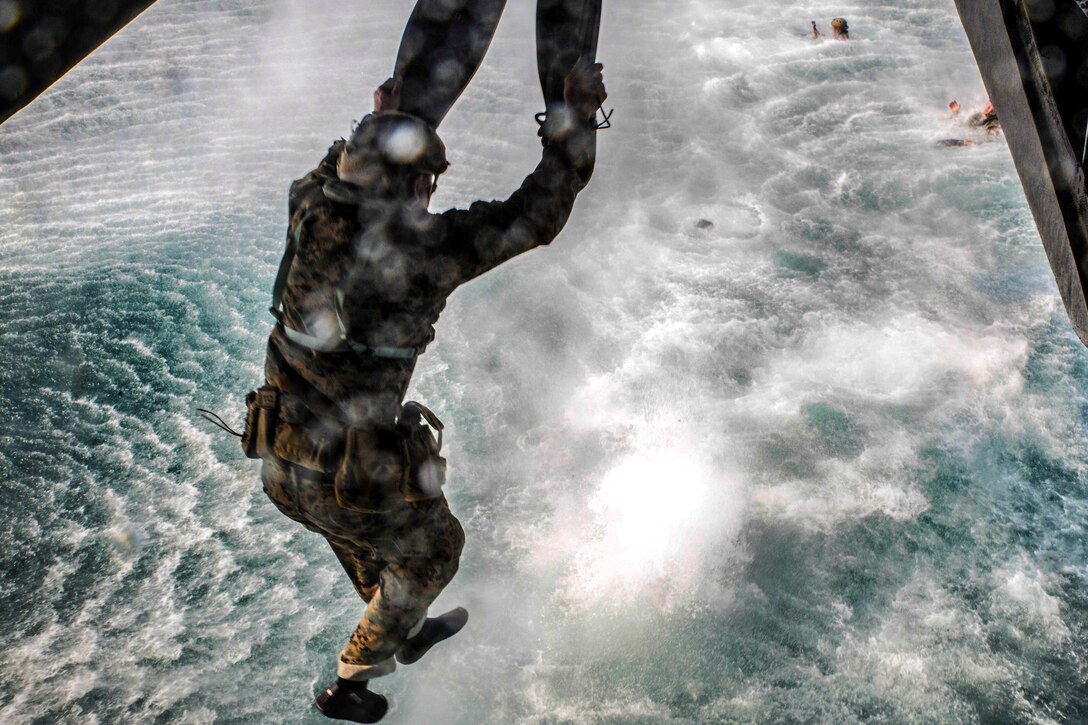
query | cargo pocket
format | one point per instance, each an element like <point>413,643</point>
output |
<point>309,446</point>
<point>281,489</point>
<point>373,470</point>
<point>306,439</point>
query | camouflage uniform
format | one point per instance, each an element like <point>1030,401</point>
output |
<point>383,270</point>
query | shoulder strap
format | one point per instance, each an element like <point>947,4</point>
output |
<point>288,259</point>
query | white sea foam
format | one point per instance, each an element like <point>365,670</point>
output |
<point>907,360</point>
<point>1022,600</point>
<point>925,647</point>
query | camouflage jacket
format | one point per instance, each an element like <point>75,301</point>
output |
<point>382,272</point>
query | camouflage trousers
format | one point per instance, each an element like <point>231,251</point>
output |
<point>398,562</point>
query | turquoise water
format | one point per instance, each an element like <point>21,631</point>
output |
<point>788,426</point>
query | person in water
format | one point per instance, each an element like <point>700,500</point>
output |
<point>986,119</point>
<point>840,28</point>
<point>365,275</point>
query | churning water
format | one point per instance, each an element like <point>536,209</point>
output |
<point>787,426</point>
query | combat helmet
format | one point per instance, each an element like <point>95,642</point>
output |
<point>397,143</point>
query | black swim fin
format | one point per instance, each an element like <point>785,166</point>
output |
<point>443,45</point>
<point>566,30</point>
<point>435,630</point>
<point>351,700</point>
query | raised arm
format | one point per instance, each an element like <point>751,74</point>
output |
<point>489,233</point>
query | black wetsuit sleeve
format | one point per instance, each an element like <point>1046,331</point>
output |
<point>489,233</point>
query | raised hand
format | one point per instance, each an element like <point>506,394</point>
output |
<point>387,96</point>
<point>583,88</point>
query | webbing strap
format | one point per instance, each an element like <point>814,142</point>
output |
<point>399,353</point>
<point>285,268</point>
<point>413,411</point>
<point>341,344</point>
<point>312,342</point>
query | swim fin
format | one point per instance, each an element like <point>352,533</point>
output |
<point>566,30</point>
<point>435,630</point>
<point>443,45</point>
<point>351,700</point>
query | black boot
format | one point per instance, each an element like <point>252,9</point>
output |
<point>351,700</point>
<point>435,629</point>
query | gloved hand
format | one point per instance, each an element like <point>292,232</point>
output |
<point>583,88</point>
<point>387,96</point>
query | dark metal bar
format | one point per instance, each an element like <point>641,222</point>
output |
<point>1040,106</point>
<point>41,40</point>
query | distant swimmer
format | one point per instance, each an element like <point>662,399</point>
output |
<point>986,119</point>
<point>840,28</point>
<point>815,31</point>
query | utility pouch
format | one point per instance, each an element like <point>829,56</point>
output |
<point>309,446</point>
<point>262,410</point>
<point>306,438</point>
<point>426,467</point>
<point>373,469</point>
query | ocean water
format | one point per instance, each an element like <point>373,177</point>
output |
<point>787,426</point>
